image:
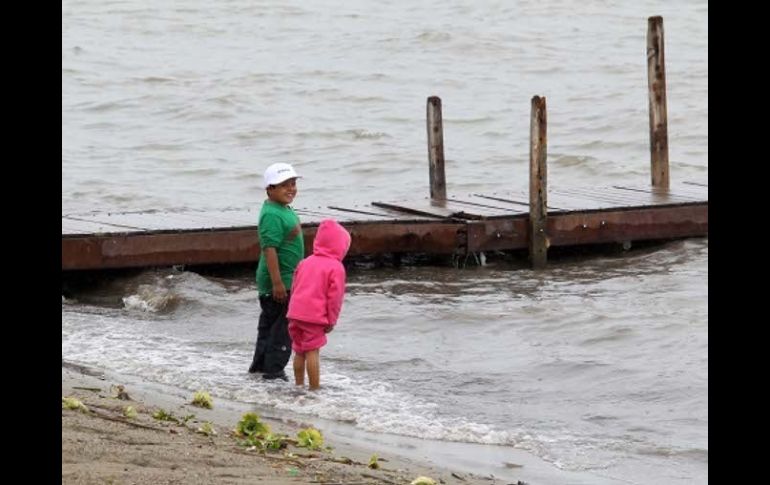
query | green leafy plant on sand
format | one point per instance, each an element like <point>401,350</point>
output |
<point>202,399</point>
<point>250,425</point>
<point>275,441</point>
<point>186,418</point>
<point>73,403</point>
<point>423,481</point>
<point>310,438</point>
<point>266,442</point>
<point>207,429</point>
<point>129,412</point>
<point>373,463</point>
<point>163,415</point>
<point>257,434</point>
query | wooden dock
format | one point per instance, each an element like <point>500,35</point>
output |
<point>459,226</point>
<point>533,219</point>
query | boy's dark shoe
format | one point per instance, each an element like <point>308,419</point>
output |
<point>276,375</point>
<point>254,368</point>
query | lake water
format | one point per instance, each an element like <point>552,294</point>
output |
<point>597,366</point>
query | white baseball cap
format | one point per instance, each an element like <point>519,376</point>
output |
<point>278,173</point>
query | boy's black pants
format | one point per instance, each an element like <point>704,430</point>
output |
<point>273,349</point>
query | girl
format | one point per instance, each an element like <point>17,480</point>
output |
<point>316,300</point>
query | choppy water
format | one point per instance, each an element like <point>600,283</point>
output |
<point>598,365</point>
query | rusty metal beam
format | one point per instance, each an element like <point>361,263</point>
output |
<point>498,234</point>
<point>242,246</point>
<point>137,250</point>
<point>428,237</point>
<point>432,237</point>
<point>594,227</point>
<point>628,225</point>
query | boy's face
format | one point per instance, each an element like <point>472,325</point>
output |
<point>284,192</point>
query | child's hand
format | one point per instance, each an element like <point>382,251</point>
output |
<point>279,293</point>
<point>328,328</point>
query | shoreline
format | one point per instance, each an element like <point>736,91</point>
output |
<point>94,449</point>
<point>102,446</point>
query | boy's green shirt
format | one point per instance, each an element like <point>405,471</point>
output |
<point>279,228</point>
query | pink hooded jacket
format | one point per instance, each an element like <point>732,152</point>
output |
<point>319,280</point>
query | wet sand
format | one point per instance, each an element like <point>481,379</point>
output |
<point>102,446</point>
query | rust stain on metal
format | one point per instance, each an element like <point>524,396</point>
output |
<point>434,237</point>
<point>138,250</point>
<point>619,226</point>
<point>498,234</point>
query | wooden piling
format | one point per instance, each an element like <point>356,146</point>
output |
<point>436,150</point>
<point>538,240</point>
<point>656,81</point>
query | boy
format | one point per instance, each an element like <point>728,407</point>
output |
<point>283,246</point>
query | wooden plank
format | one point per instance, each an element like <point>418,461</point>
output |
<point>574,202</point>
<point>227,217</point>
<point>656,83</point>
<point>357,217</point>
<point>73,226</point>
<point>538,186</point>
<point>657,193</point>
<point>517,199</point>
<point>688,188</point>
<point>193,219</point>
<point>382,213</point>
<point>445,208</point>
<point>185,221</point>
<point>312,217</point>
<point>435,128</point>
<point>617,198</point>
<point>499,208</point>
<point>626,198</point>
<point>345,216</point>
<point>188,220</point>
<point>218,219</point>
<point>676,189</point>
<point>150,221</point>
<point>573,199</point>
<point>698,192</point>
<point>483,209</point>
<point>436,211</point>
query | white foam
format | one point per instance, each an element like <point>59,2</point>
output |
<point>150,299</point>
<point>371,406</point>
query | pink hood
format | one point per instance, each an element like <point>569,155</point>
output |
<point>331,240</point>
<point>319,281</point>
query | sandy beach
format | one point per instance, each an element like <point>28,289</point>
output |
<point>101,445</point>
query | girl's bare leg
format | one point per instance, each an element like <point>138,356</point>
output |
<point>313,359</point>
<point>299,369</point>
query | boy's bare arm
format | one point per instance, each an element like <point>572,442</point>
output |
<point>279,290</point>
